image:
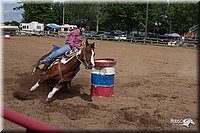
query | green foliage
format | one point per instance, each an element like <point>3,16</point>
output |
<point>75,12</point>
<point>40,12</point>
<point>183,16</point>
<point>13,23</point>
<point>113,16</point>
<point>127,17</point>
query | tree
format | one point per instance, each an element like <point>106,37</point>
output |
<point>13,23</point>
<point>128,16</point>
<point>75,12</point>
<point>183,17</point>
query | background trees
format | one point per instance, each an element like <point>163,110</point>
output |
<point>163,18</point>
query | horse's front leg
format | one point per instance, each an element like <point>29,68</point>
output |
<point>52,93</point>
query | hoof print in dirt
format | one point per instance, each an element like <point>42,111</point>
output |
<point>23,96</point>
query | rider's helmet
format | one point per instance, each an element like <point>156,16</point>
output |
<point>82,23</point>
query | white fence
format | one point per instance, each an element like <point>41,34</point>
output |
<point>152,41</point>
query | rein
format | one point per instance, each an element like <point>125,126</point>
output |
<point>80,59</point>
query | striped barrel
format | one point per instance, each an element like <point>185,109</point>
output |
<point>102,77</point>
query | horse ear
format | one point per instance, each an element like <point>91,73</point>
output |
<point>86,42</point>
<point>92,45</point>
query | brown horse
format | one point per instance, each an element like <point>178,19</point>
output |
<point>61,72</point>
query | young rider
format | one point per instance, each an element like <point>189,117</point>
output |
<point>73,41</point>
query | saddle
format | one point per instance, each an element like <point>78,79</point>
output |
<point>67,54</point>
<point>64,58</point>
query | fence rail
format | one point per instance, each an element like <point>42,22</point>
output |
<point>32,125</point>
<point>153,41</point>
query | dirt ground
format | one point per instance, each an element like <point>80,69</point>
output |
<point>153,85</point>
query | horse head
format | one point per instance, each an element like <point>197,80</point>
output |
<point>87,55</point>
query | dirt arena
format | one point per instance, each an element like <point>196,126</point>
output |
<point>153,85</point>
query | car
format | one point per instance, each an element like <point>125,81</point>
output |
<point>101,34</point>
<point>89,33</point>
<point>135,35</point>
<point>110,35</point>
<point>122,36</point>
<point>117,32</point>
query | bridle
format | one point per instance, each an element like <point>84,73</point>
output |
<point>84,57</point>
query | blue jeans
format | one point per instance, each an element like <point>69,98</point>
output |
<point>57,53</point>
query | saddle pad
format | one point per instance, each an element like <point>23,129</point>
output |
<point>55,47</point>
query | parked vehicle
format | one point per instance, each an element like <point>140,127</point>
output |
<point>110,35</point>
<point>135,35</point>
<point>101,34</point>
<point>31,28</point>
<point>89,33</point>
<point>121,37</point>
<point>117,32</point>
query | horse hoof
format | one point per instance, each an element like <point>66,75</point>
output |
<point>48,100</point>
<point>30,93</point>
<point>45,101</point>
<point>82,92</point>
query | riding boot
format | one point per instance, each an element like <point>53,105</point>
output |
<point>41,66</point>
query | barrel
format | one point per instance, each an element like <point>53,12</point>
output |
<point>102,77</point>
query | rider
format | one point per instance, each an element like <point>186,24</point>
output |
<point>73,41</point>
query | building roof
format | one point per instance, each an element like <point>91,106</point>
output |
<point>67,26</point>
<point>9,27</point>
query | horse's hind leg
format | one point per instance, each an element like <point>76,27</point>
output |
<point>69,85</point>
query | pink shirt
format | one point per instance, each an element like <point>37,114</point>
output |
<point>74,38</point>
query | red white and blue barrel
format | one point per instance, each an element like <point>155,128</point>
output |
<point>102,77</point>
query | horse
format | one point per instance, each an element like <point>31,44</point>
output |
<point>62,71</point>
